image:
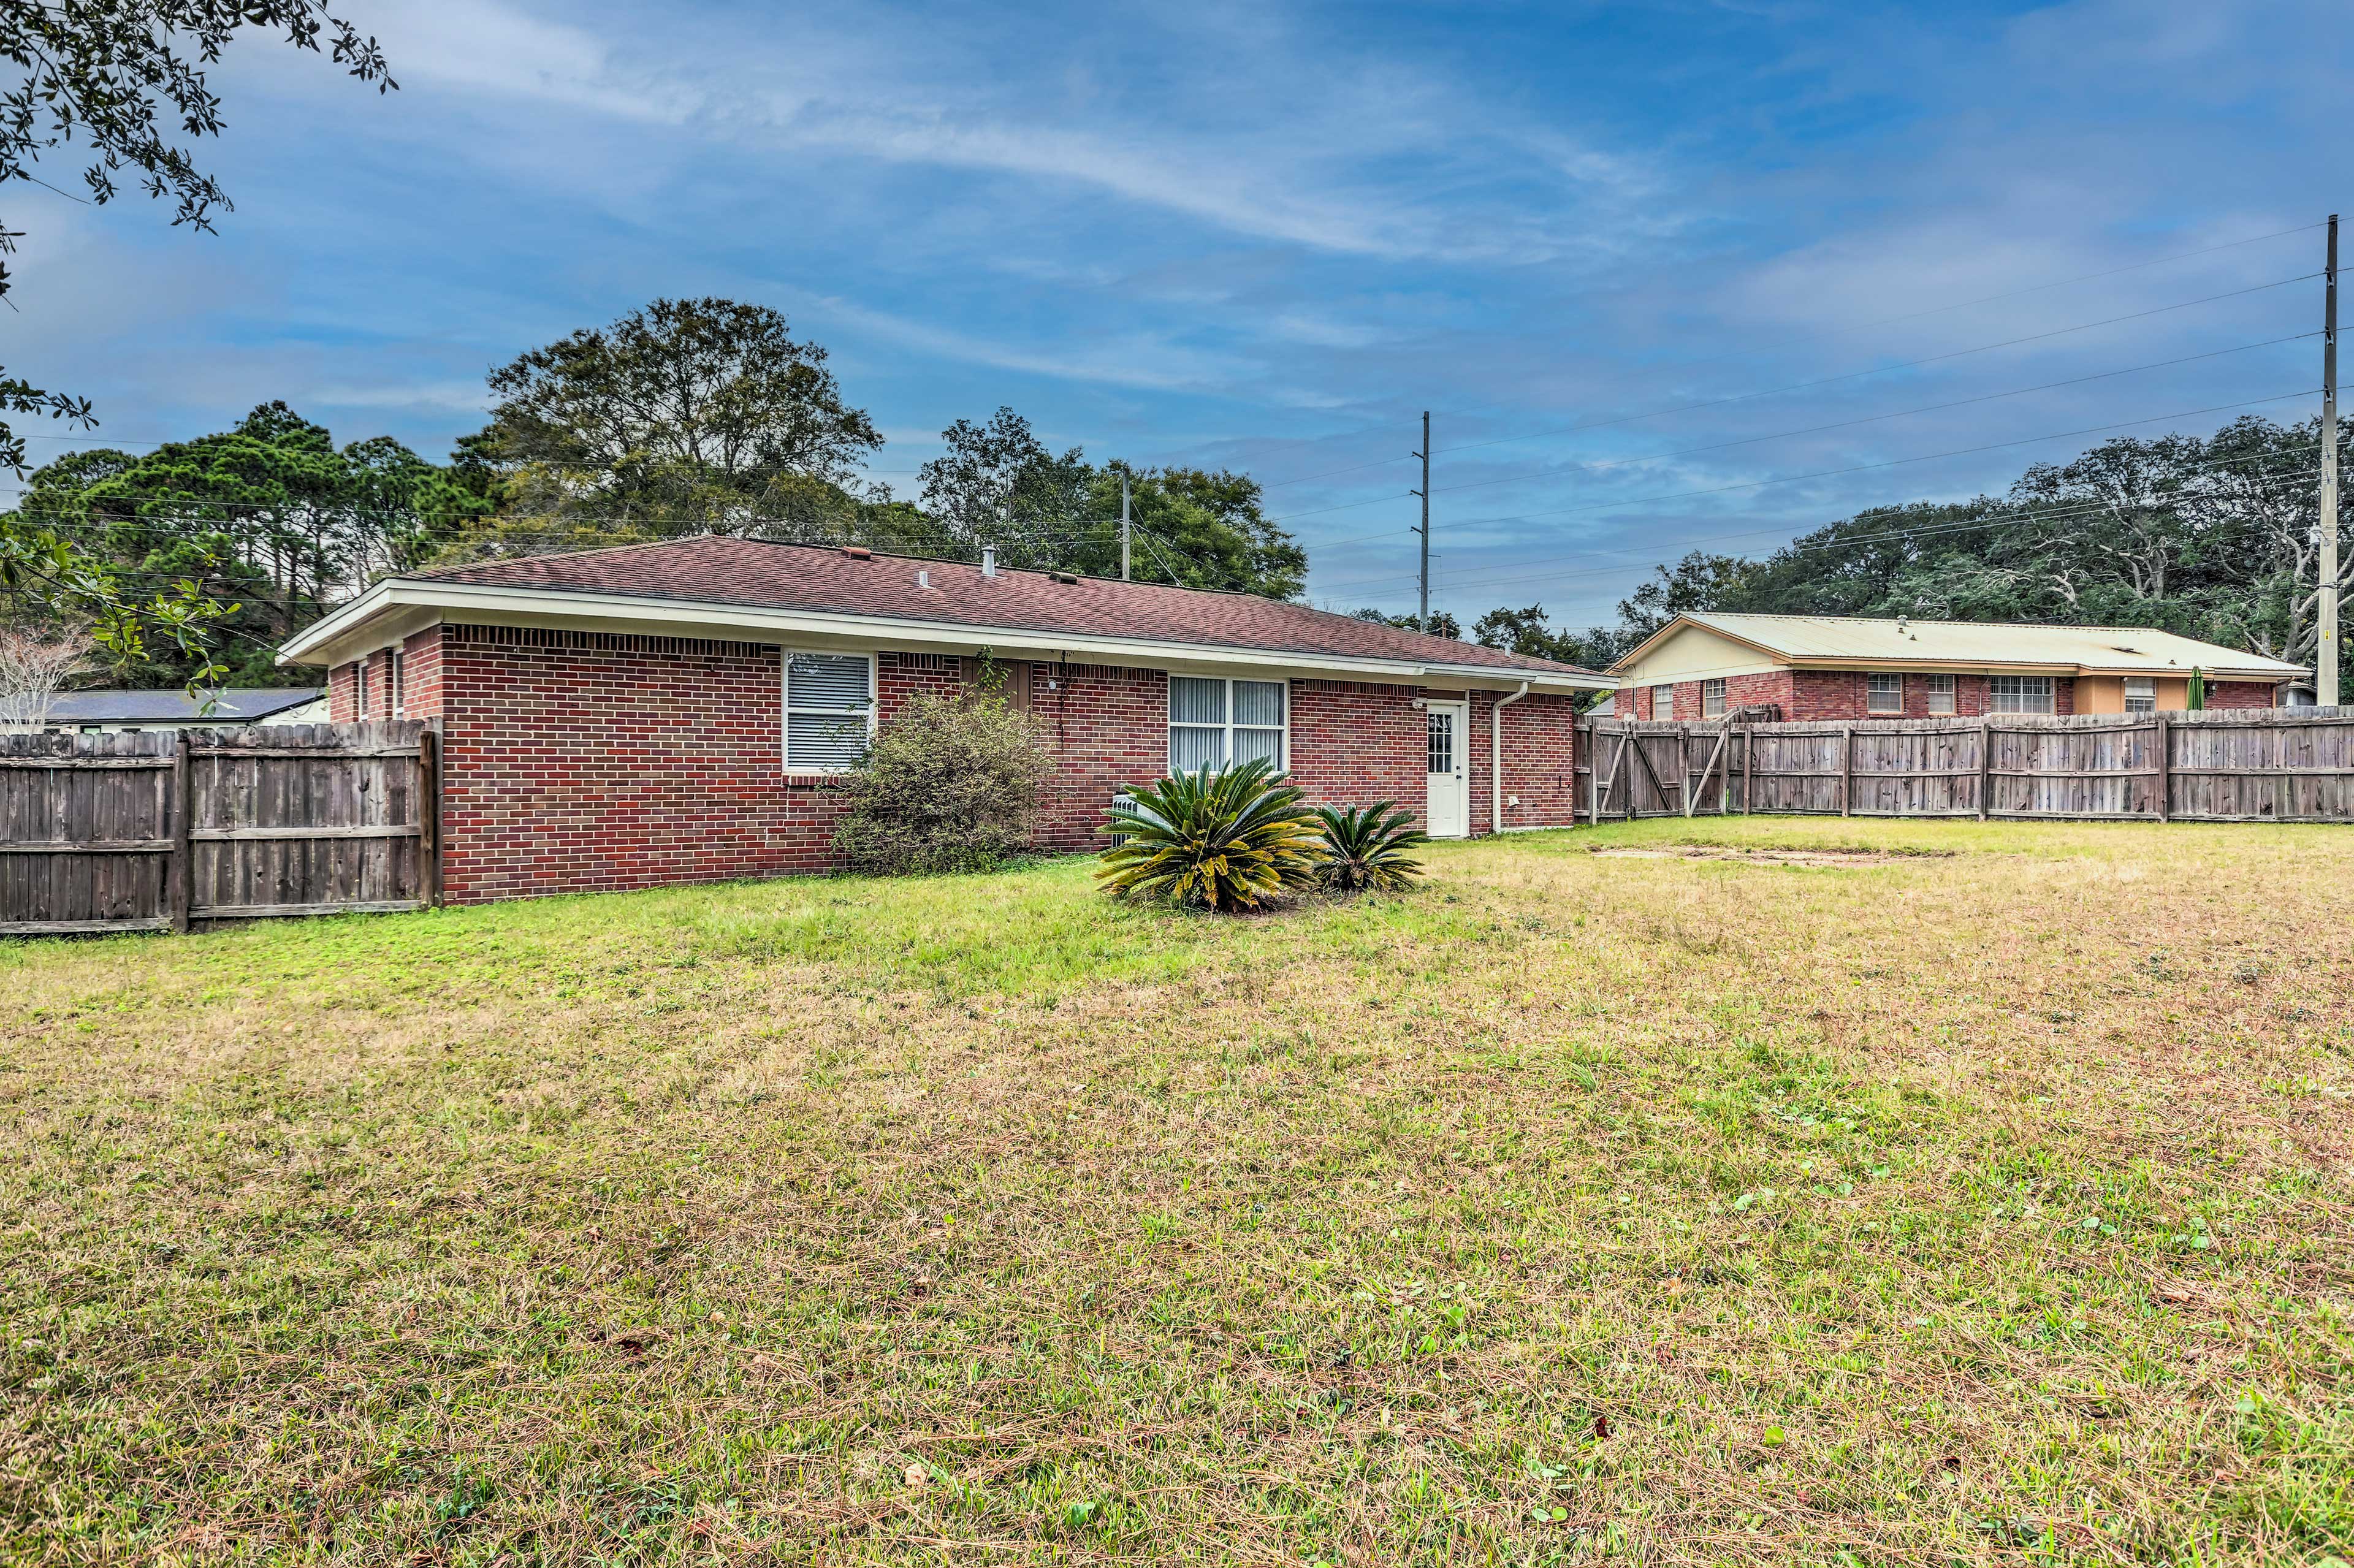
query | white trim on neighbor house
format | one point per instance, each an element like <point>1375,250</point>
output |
<point>1728,652</point>
<point>411,606</point>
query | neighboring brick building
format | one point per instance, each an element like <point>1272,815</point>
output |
<point>683,711</point>
<point>1701,666</point>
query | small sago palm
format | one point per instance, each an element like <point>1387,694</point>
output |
<point>1371,850</point>
<point>1228,840</point>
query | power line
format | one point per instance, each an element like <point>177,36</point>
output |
<point>1875,419</point>
<point>1892,462</point>
<point>1823,381</point>
<point>1998,519</point>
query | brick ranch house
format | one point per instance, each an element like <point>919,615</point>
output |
<point>1701,664</point>
<point>683,711</point>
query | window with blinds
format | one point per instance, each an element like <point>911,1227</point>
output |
<point>1217,723</point>
<point>829,711</point>
<point>1884,694</point>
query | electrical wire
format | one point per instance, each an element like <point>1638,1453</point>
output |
<point>1519,571</point>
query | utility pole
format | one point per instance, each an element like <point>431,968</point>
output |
<point>2325,666</point>
<point>1422,616</point>
<point>1126,532</point>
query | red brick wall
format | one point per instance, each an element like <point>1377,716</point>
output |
<point>341,708</point>
<point>2239,695</point>
<point>1353,744</point>
<point>1108,727</point>
<point>1539,766</point>
<point>342,686</point>
<point>593,762</point>
<point>589,762</point>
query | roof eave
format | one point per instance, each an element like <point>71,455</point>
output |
<point>315,644</point>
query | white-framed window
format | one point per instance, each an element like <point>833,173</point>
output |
<point>2021,693</point>
<point>1884,694</point>
<point>2141,693</point>
<point>1664,702</point>
<point>1218,722</point>
<point>829,700</point>
<point>1712,699</point>
<point>399,687</point>
<point>359,688</point>
<point>1941,693</point>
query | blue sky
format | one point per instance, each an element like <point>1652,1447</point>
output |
<point>1267,236</point>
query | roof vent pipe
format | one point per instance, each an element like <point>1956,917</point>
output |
<point>988,560</point>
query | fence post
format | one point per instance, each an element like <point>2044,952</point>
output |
<point>1986,764</point>
<point>1592,750</point>
<point>1748,768</point>
<point>1846,766</point>
<point>177,873</point>
<point>2164,768</point>
<point>429,818</point>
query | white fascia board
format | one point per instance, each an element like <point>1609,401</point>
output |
<point>329,640</point>
<point>2056,667</point>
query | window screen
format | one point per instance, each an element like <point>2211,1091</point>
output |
<point>2021,693</point>
<point>828,710</point>
<point>1884,694</point>
<point>2141,693</point>
<point>1941,694</point>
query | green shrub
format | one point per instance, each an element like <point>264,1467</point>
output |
<point>948,785</point>
<point>1226,840</point>
<point>1371,850</point>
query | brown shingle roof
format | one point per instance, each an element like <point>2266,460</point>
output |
<point>760,575</point>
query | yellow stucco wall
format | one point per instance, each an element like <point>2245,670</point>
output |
<point>2107,694</point>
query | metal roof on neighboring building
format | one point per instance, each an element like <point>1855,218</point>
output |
<point>232,705</point>
<point>1855,640</point>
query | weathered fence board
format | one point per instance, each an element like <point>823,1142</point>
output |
<point>2266,764</point>
<point>102,833</point>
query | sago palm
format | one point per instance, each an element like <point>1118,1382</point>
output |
<point>1371,849</point>
<point>1227,840</point>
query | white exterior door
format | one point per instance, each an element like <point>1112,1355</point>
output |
<point>1449,814</point>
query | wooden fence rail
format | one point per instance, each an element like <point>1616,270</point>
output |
<point>153,831</point>
<point>2265,765</point>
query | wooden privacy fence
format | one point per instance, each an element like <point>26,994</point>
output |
<point>149,831</point>
<point>2265,765</point>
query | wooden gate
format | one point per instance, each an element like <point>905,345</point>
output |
<point>153,831</point>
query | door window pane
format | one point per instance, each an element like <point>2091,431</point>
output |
<point>1442,742</point>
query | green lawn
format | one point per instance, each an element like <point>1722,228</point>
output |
<point>1986,1201</point>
